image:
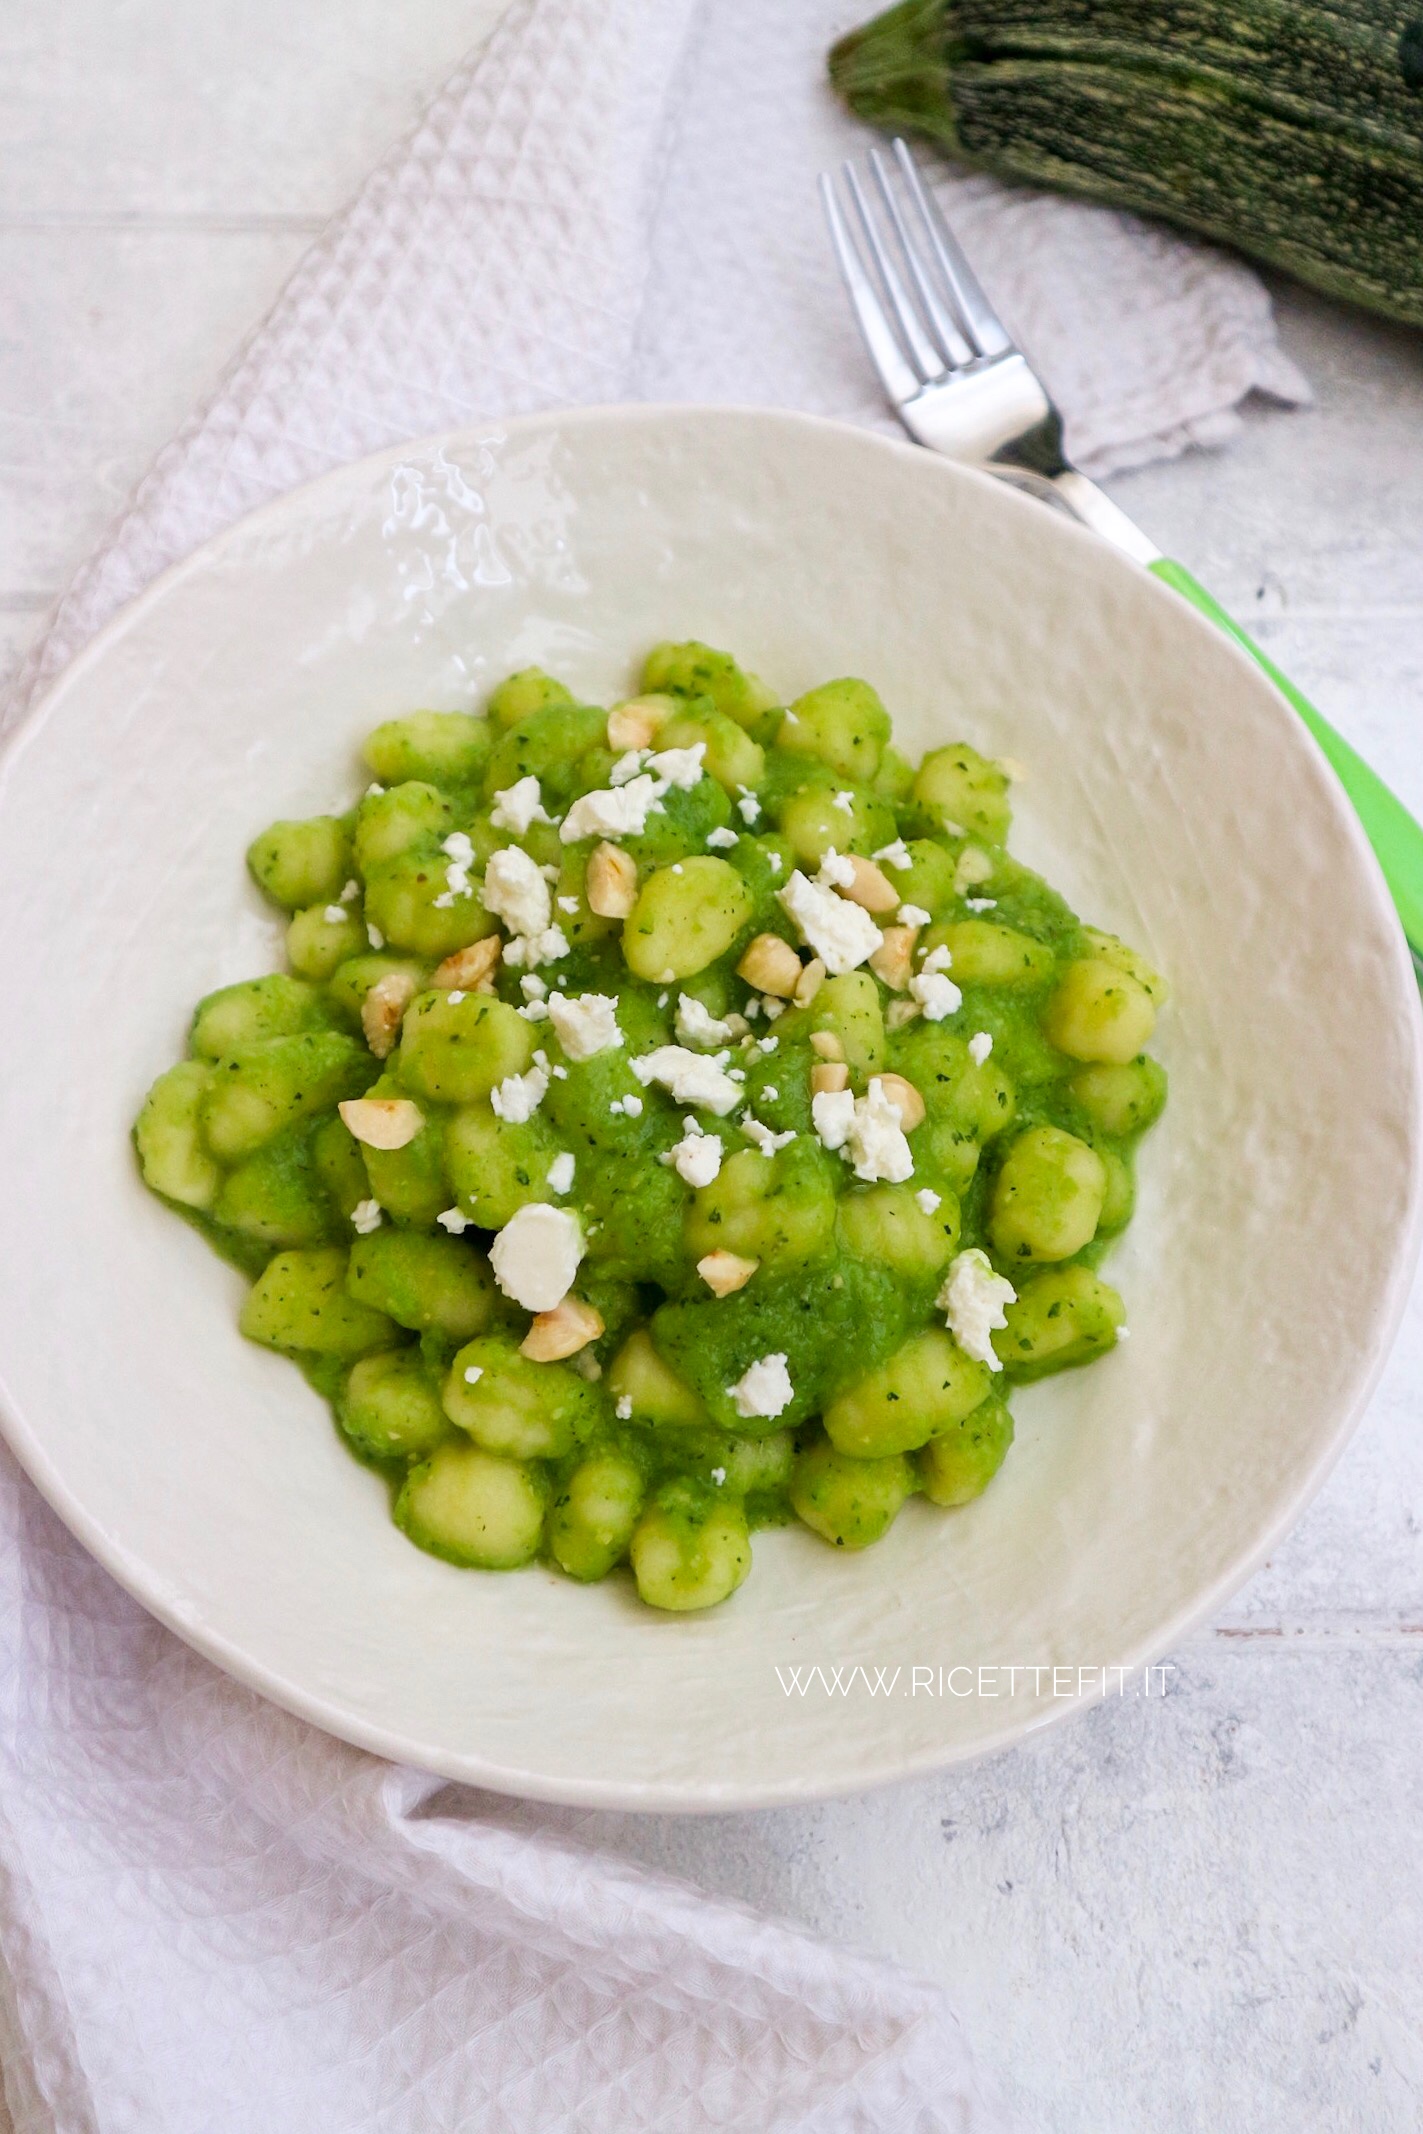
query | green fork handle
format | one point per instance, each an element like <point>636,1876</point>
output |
<point>1396,838</point>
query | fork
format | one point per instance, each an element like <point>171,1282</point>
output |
<point>961,386</point>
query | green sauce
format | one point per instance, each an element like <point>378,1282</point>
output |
<point>837,1128</point>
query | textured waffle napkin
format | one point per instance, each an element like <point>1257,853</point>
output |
<point>213,1917</point>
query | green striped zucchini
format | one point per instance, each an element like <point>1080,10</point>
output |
<point>1290,129</point>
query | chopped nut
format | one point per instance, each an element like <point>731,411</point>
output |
<point>871,887</point>
<point>900,1012</point>
<point>827,1076</point>
<point>383,1011</point>
<point>906,1100</point>
<point>973,867</point>
<point>637,723</point>
<point>610,884</point>
<point>892,961</point>
<point>771,965</point>
<point>811,979</point>
<point>725,1272</point>
<point>382,1122</point>
<point>827,1043</point>
<point>569,1327</point>
<point>469,968</point>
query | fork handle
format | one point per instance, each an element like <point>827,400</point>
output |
<point>1395,836</point>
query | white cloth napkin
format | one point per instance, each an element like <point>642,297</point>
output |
<point>211,1916</point>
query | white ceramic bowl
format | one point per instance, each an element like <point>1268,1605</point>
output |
<point>1169,793</point>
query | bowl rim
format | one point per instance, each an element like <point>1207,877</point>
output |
<point>150,1588</point>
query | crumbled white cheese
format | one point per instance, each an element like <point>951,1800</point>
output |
<point>623,1408</point>
<point>973,1300</point>
<point>628,765</point>
<point>718,1475</point>
<point>896,855</point>
<point>550,946</point>
<point>533,987</point>
<point>568,905</point>
<point>335,914</point>
<point>519,1096</point>
<point>681,767</point>
<point>773,861</point>
<point>375,936</point>
<point>536,1255</point>
<point>757,1132</point>
<point>841,934</point>
<point>627,1107</point>
<point>722,840</point>
<point>770,1093</point>
<point>350,893</point>
<point>981,903</point>
<point>845,802</point>
<point>837,871</point>
<point>560,1172</point>
<point>912,915</point>
<point>585,1025</point>
<point>373,792</point>
<point>772,1008</point>
<point>832,1112</point>
<point>690,1077</point>
<point>748,806</point>
<point>461,857</point>
<point>764,1388</point>
<point>928,1200</point>
<point>454,1220</point>
<point>516,892</point>
<point>938,959</point>
<point>937,995</point>
<point>696,1025</point>
<point>473,1372</point>
<point>876,1143</point>
<point>456,997</point>
<point>979,1047</point>
<point>518,806</point>
<point>868,1129</point>
<point>613,811</point>
<point>365,1217</point>
<point>697,1156</point>
<point>767,1044</point>
<point>534,1011</point>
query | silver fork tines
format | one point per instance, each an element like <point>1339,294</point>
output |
<point>921,307</point>
<point>985,328</point>
<point>948,364</point>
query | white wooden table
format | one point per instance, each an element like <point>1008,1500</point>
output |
<point>1202,1912</point>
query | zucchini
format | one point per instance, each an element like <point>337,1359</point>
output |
<point>1289,129</point>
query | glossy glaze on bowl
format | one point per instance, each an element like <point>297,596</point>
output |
<point>1170,795</point>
